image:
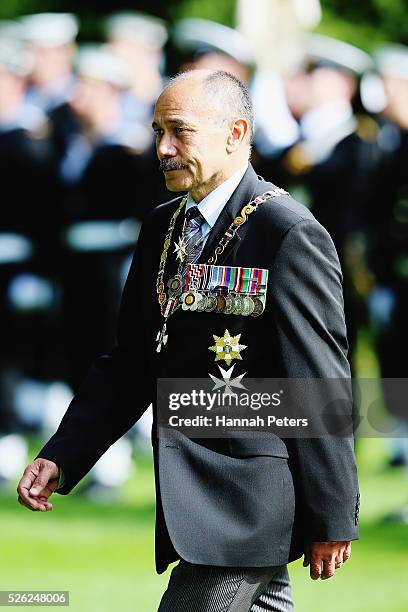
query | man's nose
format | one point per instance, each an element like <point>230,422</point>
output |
<point>165,147</point>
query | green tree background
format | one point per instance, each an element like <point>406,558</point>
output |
<point>362,22</point>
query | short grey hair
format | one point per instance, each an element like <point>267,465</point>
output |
<point>230,94</point>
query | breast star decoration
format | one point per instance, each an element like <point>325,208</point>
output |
<point>227,347</point>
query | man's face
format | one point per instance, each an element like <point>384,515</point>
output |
<point>191,139</point>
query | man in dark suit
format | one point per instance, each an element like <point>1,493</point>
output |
<point>234,510</point>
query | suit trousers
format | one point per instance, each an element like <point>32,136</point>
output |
<point>206,588</point>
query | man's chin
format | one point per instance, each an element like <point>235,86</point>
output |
<point>175,181</point>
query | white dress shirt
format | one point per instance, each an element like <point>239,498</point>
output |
<point>211,206</point>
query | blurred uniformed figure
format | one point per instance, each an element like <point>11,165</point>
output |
<point>29,218</point>
<point>96,103</point>
<point>16,64</point>
<point>51,39</point>
<point>388,302</point>
<point>139,39</point>
<point>103,172</point>
<point>332,164</point>
<point>28,281</point>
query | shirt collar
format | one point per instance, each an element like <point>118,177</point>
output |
<point>211,206</point>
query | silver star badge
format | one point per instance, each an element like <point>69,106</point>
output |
<point>226,381</point>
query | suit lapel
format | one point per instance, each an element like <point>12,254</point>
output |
<point>247,189</point>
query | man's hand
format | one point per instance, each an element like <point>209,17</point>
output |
<point>325,557</point>
<point>38,482</point>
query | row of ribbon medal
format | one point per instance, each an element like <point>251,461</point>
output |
<point>221,289</point>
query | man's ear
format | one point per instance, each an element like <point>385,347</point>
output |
<point>239,133</point>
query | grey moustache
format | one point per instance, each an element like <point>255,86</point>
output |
<point>170,164</point>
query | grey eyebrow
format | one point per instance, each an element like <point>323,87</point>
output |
<point>177,122</point>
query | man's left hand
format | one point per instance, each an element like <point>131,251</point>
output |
<point>325,557</point>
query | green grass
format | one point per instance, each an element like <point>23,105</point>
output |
<point>103,554</point>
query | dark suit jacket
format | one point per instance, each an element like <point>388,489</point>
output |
<point>228,502</point>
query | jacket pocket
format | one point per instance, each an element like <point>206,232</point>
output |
<point>254,445</point>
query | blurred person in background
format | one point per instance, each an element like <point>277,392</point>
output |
<point>96,104</point>
<point>139,39</point>
<point>30,217</point>
<point>102,164</point>
<point>388,244</point>
<point>51,39</point>
<point>104,171</point>
<point>332,164</point>
<point>28,280</point>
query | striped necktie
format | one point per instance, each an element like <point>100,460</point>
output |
<point>193,234</point>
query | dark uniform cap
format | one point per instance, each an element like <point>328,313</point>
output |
<point>202,36</point>
<point>323,50</point>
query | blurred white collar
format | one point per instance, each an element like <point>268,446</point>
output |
<point>320,122</point>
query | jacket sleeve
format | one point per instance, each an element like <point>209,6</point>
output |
<point>116,392</point>
<point>308,313</point>
<point>61,479</point>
